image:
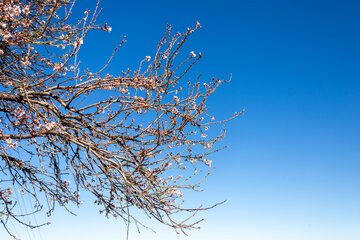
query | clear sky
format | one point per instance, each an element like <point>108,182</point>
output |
<point>292,171</point>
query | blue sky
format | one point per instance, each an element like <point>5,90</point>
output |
<point>292,169</point>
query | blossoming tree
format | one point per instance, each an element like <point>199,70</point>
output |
<point>125,139</point>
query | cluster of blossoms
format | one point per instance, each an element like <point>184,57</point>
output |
<point>6,196</point>
<point>175,191</point>
<point>11,144</point>
<point>12,10</point>
<point>13,19</point>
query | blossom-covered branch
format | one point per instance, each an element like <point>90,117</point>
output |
<point>123,138</point>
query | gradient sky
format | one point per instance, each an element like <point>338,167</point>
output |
<point>292,171</point>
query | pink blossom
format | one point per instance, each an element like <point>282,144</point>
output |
<point>7,37</point>
<point>26,10</point>
<point>175,110</point>
<point>194,105</point>
<point>25,62</point>
<point>208,162</point>
<point>57,66</point>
